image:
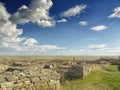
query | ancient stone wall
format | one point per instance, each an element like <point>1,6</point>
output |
<point>42,75</point>
<point>29,78</point>
<point>78,70</point>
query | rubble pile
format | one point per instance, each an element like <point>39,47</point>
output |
<point>43,75</point>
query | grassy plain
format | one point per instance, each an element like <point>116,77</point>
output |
<point>44,57</point>
<point>106,79</point>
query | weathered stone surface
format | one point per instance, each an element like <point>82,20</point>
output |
<point>3,68</point>
<point>35,79</point>
<point>43,75</point>
<point>29,77</point>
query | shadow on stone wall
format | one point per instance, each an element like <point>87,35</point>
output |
<point>44,75</point>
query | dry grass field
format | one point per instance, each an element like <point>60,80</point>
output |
<point>55,57</point>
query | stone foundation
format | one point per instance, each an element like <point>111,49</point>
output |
<point>43,75</point>
<point>30,78</point>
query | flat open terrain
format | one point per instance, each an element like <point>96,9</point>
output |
<point>54,57</point>
<point>106,79</point>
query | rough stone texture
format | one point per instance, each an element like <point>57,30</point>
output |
<point>30,78</point>
<point>43,75</point>
<point>3,68</point>
<point>78,70</point>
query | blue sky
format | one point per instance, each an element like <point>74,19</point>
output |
<point>59,27</point>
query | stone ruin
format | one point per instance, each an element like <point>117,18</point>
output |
<point>42,75</point>
<point>78,70</point>
<point>29,78</point>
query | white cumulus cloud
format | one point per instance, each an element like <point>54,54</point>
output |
<point>62,20</point>
<point>99,28</point>
<point>9,34</point>
<point>99,46</point>
<point>76,10</point>
<point>116,13</point>
<point>83,23</point>
<point>30,42</point>
<point>11,41</point>
<point>36,12</point>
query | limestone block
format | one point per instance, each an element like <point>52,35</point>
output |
<point>35,79</point>
<point>3,68</point>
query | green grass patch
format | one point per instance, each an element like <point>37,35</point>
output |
<point>112,68</point>
<point>106,79</point>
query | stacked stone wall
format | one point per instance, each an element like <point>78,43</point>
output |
<point>43,75</point>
